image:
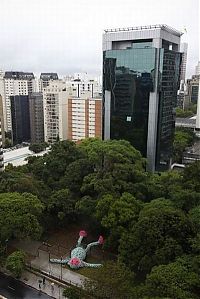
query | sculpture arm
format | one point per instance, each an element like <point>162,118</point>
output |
<point>89,265</point>
<point>57,261</point>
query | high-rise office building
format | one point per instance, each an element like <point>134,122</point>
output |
<point>20,118</point>
<point>36,117</point>
<point>141,70</point>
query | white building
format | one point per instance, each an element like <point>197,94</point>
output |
<point>54,101</point>
<point>12,84</point>
<point>67,116</point>
<point>197,69</point>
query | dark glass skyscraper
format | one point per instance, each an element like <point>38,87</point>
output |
<point>141,68</point>
<point>20,119</point>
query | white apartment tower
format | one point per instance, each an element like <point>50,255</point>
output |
<point>183,50</point>
<point>14,84</point>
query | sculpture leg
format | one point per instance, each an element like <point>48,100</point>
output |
<point>82,234</point>
<point>100,241</point>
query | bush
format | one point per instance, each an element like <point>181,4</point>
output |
<point>38,147</point>
<point>15,263</point>
<point>71,293</point>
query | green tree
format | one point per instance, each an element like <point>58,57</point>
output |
<point>62,205</point>
<point>116,165</point>
<point>191,176</point>
<point>118,215</point>
<point>113,281</point>
<point>175,280</point>
<point>15,263</point>
<point>163,184</point>
<point>184,113</point>
<point>161,234</point>
<point>15,180</point>
<point>183,138</point>
<point>72,293</point>
<point>52,166</point>
<point>38,147</point>
<point>19,214</point>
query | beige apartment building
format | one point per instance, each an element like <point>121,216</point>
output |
<point>84,118</point>
<point>67,116</point>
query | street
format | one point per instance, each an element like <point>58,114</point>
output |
<point>14,289</point>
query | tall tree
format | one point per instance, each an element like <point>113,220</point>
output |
<point>19,214</point>
<point>161,234</point>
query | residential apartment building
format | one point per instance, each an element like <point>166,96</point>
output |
<point>54,102</point>
<point>45,78</point>
<point>192,89</point>
<point>86,85</point>
<point>141,70</point>
<point>14,84</point>
<point>197,69</point>
<point>84,118</point>
<point>183,50</point>
<point>67,116</point>
<point>36,117</point>
<point>2,135</point>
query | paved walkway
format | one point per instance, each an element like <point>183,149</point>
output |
<point>41,262</point>
<point>33,280</point>
<point>56,270</point>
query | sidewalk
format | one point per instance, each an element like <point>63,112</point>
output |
<point>41,262</point>
<point>57,270</point>
<point>32,280</point>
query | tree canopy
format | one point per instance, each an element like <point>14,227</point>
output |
<point>150,221</point>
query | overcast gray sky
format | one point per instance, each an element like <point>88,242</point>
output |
<point>65,36</point>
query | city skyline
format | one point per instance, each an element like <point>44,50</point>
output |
<point>65,37</point>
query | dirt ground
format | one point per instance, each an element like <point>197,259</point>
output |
<point>61,241</point>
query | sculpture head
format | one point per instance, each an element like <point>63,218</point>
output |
<point>75,263</point>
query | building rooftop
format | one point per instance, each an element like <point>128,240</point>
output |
<point>19,75</point>
<point>49,76</point>
<point>18,156</point>
<point>149,27</point>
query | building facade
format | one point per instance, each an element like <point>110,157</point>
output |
<point>84,118</point>
<point>45,78</point>
<point>197,69</point>
<point>15,84</point>
<point>89,86</point>
<point>141,72</point>
<point>20,119</point>
<point>183,50</point>
<point>54,102</point>
<point>36,117</point>
<point>192,89</point>
<point>2,135</point>
<point>67,116</point>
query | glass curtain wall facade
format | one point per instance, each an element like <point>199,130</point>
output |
<point>20,119</point>
<point>130,76</point>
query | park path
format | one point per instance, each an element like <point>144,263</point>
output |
<point>41,262</point>
<point>32,280</point>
